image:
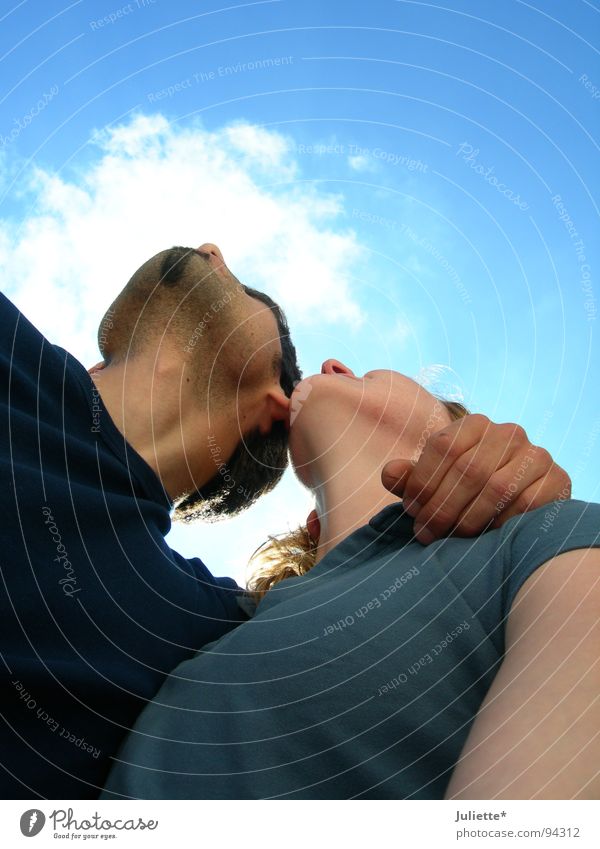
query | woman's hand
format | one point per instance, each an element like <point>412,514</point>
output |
<point>474,473</point>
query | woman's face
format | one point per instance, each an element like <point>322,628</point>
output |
<point>337,409</point>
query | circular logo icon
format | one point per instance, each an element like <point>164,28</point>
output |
<point>32,822</point>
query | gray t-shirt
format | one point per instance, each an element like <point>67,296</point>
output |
<point>359,679</point>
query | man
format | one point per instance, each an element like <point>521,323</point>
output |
<point>187,411</point>
<point>95,607</point>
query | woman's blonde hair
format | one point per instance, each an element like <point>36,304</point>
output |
<point>293,553</point>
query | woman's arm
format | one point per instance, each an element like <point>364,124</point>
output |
<point>537,733</point>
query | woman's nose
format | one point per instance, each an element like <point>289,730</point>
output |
<point>336,367</point>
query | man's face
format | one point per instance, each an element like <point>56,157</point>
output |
<point>251,354</point>
<point>253,346</point>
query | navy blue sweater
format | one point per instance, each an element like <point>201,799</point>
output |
<point>95,608</point>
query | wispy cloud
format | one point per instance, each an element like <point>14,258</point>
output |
<point>360,163</point>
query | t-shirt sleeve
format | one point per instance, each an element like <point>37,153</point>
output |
<point>539,536</point>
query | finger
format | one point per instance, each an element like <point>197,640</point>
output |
<point>395,474</point>
<point>464,475</point>
<point>504,489</point>
<point>554,485</point>
<point>439,454</point>
<point>466,501</point>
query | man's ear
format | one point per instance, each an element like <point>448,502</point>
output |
<point>276,408</point>
<point>313,526</point>
<point>97,367</point>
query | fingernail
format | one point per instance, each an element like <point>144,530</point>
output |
<point>412,507</point>
<point>423,534</point>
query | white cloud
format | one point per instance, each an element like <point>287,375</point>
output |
<point>262,148</point>
<point>151,185</point>
<point>360,163</point>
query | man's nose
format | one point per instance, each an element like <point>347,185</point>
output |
<point>336,367</point>
<point>209,248</point>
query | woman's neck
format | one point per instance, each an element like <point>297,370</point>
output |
<point>349,492</point>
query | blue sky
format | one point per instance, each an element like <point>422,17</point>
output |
<point>417,183</point>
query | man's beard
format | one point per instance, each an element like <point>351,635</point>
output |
<point>254,469</point>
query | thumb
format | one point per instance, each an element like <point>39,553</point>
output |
<point>395,474</point>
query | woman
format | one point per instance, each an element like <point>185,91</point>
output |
<point>294,554</point>
<point>363,676</point>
